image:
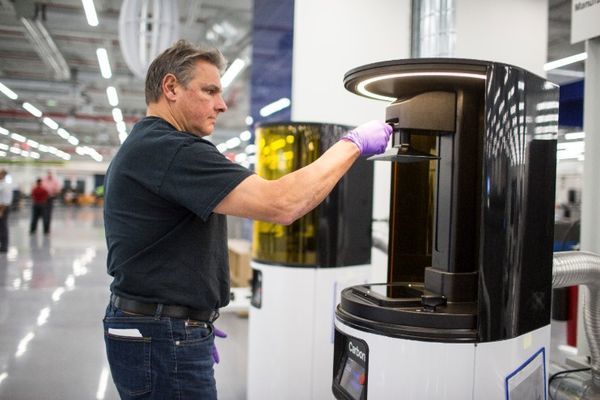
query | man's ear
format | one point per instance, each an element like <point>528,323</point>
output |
<point>169,87</point>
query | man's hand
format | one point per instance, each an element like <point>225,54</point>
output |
<point>370,138</point>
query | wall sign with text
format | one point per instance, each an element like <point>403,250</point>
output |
<point>584,20</point>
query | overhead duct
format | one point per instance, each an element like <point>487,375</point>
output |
<point>146,28</point>
<point>46,48</point>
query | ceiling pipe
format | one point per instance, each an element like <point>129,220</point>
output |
<point>46,48</point>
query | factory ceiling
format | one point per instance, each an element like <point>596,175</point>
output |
<point>48,58</point>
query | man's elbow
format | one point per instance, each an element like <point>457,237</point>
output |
<point>286,217</point>
<point>287,212</point>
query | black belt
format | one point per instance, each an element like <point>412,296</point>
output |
<point>182,312</point>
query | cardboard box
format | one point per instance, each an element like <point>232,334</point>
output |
<point>240,253</point>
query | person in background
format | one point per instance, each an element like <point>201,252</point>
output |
<point>5,202</point>
<point>167,193</point>
<point>53,187</point>
<point>39,201</point>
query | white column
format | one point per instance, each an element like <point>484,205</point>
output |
<point>510,31</point>
<point>590,215</point>
<point>332,37</point>
<point>590,221</point>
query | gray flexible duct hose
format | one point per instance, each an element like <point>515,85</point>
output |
<point>582,268</point>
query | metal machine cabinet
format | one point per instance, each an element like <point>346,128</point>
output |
<point>300,269</point>
<point>465,313</point>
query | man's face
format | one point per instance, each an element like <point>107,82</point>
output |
<point>199,102</point>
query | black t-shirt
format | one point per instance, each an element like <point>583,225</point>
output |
<point>165,245</point>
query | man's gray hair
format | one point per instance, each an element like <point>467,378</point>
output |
<point>179,60</point>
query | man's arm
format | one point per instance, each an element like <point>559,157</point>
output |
<point>288,198</point>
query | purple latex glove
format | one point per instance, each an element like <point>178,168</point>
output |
<point>370,138</point>
<point>214,351</point>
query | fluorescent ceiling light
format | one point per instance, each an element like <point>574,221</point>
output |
<point>574,135</point>
<point>569,73</point>
<point>18,138</point>
<point>90,12</point>
<point>50,123</point>
<point>547,105</point>
<point>63,133</point>
<point>33,143</point>
<point>565,61</point>
<point>113,98</point>
<point>234,69</point>
<point>117,114</point>
<point>121,127</point>
<point>9,93</point>
<point>3,131</point>
<point>245,136</point>
<point>33,110</point>
<point>275,106</point>
<point>249,120</point>
<point>542,119</point>
<point>104,63</point>
<point>73,140</point>
<point>361,87</point>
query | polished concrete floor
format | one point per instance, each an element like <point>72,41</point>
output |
<point>53,292</point>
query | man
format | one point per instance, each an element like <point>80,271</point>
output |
<point>167,192</point>
<point>6,196</point>
<point>53,188</point>
<point>39,201</point>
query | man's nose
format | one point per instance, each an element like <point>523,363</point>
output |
<point>221,106</point>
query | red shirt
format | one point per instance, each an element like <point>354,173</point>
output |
<point>39,195</point>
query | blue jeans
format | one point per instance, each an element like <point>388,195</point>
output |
<point>154,357</point>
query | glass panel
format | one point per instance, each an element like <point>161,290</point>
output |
<point>282,149</point>
<point>411,214</point>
